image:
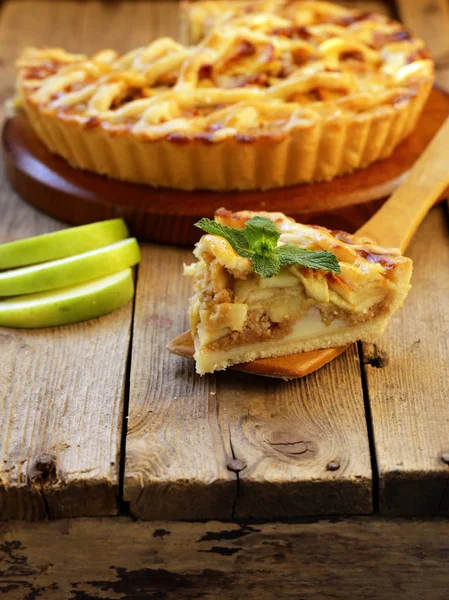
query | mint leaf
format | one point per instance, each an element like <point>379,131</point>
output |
<point>289,254</point>
<point>258,241</point>
<point>262,234</point>
<point>266,266</point>
<point>236,237</point>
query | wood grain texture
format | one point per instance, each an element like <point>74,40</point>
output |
<point>61,393</point>
<point>359,559</point>
<point>407,373</point>
<point>210,447</point>
<point>176,453</point>
<point>302,445</point>
<point>429,19</point>
<point>442,78</point>
<point>189,437</point>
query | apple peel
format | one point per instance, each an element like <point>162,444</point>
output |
<point>60,244</point>
<point>71,270</point>
<point>69,305</point>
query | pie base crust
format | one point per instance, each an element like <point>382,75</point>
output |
<point>314,337</point>
<point>316,152</point>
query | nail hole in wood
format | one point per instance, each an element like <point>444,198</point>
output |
<point>236,465</point>
<point>333,465</point>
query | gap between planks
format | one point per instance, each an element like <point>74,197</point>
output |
<point>370,429</point>
<point>123,507</point>
<point>406,373</point>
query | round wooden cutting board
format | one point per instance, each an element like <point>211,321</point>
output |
<point>167,216</point>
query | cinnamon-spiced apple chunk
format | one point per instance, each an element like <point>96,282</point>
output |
<point>267,286</point>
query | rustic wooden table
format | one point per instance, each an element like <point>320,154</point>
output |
<point>98,420</point>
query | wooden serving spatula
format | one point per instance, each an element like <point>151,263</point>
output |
<point>392,226</point>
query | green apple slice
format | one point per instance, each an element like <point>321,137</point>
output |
<point>68,305</point>
<point>61,244</point>
<point>71,270</point>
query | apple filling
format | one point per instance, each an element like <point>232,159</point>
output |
<point>227,312</point>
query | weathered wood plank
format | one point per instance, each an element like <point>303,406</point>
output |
<point>61,390</point>
<point>407,373</point>
<point>176,454</point>
<point>429,19</point>
<point>116,558</point>
<point>304,443</point>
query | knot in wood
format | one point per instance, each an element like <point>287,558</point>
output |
<point>236,465</point>
<point>333,465</point>
<point>288,442</point>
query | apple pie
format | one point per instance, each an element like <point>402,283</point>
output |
<point>273,94</point>
<point>239,314</point>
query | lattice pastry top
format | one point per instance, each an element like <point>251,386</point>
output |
<point>257,74</point>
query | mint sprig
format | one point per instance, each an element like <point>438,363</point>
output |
<point>236,237</point>
<point>258,241</point>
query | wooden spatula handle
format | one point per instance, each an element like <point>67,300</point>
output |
<point>398,219</point>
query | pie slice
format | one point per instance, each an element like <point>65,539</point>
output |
<point>237,315</point>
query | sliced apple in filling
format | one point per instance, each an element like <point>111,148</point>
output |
<point>237,316</point>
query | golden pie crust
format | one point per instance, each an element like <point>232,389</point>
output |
<point>276,94</point>
<point>237,316</point>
